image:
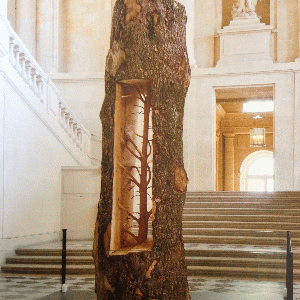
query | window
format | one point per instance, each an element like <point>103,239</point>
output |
<point>258,106</point>
<point>257,172</point>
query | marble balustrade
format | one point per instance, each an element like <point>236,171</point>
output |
<point>18,56</point>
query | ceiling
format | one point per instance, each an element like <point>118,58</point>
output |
<point>231,99</point>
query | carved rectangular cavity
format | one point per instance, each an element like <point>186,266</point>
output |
<point>132,168</point>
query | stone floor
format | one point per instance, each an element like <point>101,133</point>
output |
<point>81,288</point>
<point>36,287</point>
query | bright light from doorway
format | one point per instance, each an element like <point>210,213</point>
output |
<point>257,172</point>
<point>260,175</point>
<point>256,106</point>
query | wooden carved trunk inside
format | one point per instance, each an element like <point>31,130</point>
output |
<point>138,245</point>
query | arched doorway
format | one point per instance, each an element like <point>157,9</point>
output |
<point>257,172</point>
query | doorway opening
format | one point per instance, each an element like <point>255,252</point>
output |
<point>239,110</point>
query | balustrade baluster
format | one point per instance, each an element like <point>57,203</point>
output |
<point>60,108</point>
<point>11,52</point>
<point>23,67</point>
<point>62,116</point>
<point>66,120</point>
<point>17,58</point>
<point>70,127</point>
<point>34,80</point>
<point>28,68</point>
<point>79,137</point>
<point>40,87</point>
<point>74,131</point>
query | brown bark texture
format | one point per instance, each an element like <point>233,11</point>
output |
<point>147,42</point>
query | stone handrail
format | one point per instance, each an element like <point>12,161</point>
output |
<point>13,52</point>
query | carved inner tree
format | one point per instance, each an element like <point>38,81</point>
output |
<point>132,166</point>
<point>146,81</point>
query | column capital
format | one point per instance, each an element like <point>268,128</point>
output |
<point>229,135</point>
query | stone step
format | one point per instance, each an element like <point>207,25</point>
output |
<point>241,194</point>
<point>191,250</point>
<point>241,225</point>
<point>238,205</point>
<point>239,232</point>
<point>238,262</point>
<point>244,273</point>
<point>190,260</point>
<point>239,240</point>
<point>242,253</point>
<point>275,202</point>
<point>50,260</point>
<point>47,269</point>
<point>238,197</point>
<point>51,252</point>
<point>212,271</point>
<point>241,218</point>
<point>241,211</point>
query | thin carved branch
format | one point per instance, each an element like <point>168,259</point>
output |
<point>149,213</point>
<point>130,214</point>
<point>143,98</point>
<point>130,175</point>
<point>149,173</point>
<point>150,149</point>
<point>128,138</point>
<point>128,148</point>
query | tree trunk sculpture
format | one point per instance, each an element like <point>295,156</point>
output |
<point>147,72</point>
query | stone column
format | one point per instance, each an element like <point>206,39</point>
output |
<point>26,23</point>
<point>229,162</point>
<point>217,161</point>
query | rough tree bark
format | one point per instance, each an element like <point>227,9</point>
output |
<point>147,42</point>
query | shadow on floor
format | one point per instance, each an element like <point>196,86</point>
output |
<point>90,295</point>
<point>72,295</point>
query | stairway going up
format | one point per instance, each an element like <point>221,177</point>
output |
<point>241,234</point>
<point>226,234</point>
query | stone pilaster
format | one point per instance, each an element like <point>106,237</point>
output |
<point>217,161</point>
<point>298,54</point>
<point>47,32</point>
<point>229,162</point>
<point>26,23</point>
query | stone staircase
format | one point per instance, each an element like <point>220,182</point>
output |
<point>226,234</point>
<point>241,234</point>
<point>48,261</point>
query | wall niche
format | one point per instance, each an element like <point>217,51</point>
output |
<point>262,11</point>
